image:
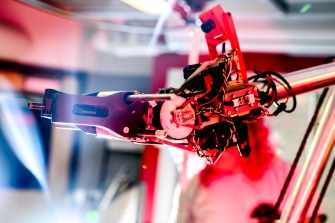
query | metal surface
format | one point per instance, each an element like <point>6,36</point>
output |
<point>110,112</point>
<point>309,79</point>
<point>314,165</point>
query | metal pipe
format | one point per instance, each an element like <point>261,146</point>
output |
<point>301,81</point>
<point>314,164</point>
<point>309,79</point>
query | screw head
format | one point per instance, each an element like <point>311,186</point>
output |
<point>126,130</point>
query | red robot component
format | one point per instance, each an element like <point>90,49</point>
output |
<point>206,114</point>
<point>219,28</point>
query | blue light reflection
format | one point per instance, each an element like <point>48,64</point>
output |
<point>20,130</point>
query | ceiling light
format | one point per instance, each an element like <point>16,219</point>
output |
<point>149,6</point>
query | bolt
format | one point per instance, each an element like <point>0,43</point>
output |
<point>228,112</point>
<point>126,130</point>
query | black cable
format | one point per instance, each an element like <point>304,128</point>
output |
<point>270,81</point>
<point>298,155</point>
<point>223,49</point>
<point>274,92</point>
<point>288,89</point>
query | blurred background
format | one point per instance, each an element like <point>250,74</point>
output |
<point>50,174</point>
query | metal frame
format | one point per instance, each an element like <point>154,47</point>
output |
<point>323,142</point>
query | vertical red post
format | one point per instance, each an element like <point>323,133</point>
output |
<point>148,177</point>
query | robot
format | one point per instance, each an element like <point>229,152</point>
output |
<point>207,114</point>
<point>210,111</point>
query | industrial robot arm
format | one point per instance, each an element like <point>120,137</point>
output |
<point>206,114</point>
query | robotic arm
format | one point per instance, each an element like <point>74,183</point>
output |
<point>206,114</point>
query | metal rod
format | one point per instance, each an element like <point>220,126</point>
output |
<point>323,192</point>
<point>314,164</point>
<point>301,81</point>
<point>150,97</point>
<point>36,106</point>
<point>300,151</point>
<point>309,79</point>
